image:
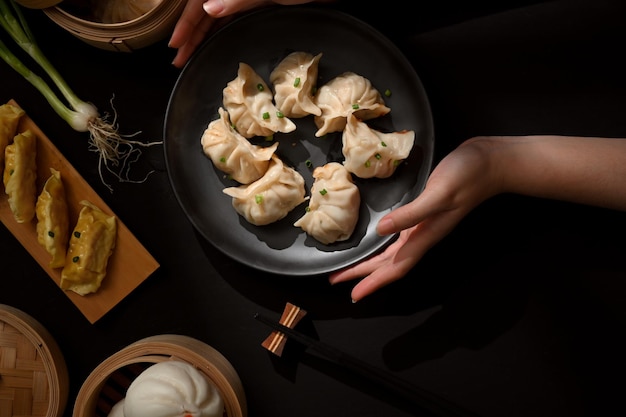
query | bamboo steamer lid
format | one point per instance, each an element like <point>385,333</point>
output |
<point>108,382</point>
<point>151,27</point>
<point>33,374</point>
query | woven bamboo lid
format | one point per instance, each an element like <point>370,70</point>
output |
<point>129,36</point>
<point>108,382</point>
<point>33,374</point>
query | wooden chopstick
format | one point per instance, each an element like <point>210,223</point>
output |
<point>423,398</point>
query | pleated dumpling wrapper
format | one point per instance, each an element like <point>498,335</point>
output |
<point>172,389</point>
<point>91,245</point>
<point>53,225</point>
<point>10,116</point>
<point>20,175</point>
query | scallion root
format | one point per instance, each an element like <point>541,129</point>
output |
<point>116,152</point>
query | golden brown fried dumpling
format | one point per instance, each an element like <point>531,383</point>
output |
<point>53,219</point>
<point>9,119</point>
<point>20,175</point>
<point>91,245</point>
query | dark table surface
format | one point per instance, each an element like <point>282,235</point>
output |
<point>518,312</point>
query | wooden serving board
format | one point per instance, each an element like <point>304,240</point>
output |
<point>129,265</point>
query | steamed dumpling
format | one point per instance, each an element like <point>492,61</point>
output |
<point>233,154</point>
<point>9,119</point>
<point>348,93</point>
<point>250,104</point>
<point>20,175</point>
<point>370,153</point>
<point>53,219</point>
<point>333,210</point>
<point>294,80</point>
<point>271,197</point>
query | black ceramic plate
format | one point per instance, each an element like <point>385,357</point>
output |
<point>262,39</point>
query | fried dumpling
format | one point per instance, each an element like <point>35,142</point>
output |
<point>53,219</point>
<point>294,80</point>
<point>333,210</point>
<point>348,93</point>
<point>9,119</point>
<point>91,245</point>
<point>20,175</point>
<point>233,154</point>
<point>271,197</point>
<point>249,102</point>
<point>370,153</point>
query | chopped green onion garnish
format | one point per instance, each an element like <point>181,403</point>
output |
<point>396,163</point>
<point>296,82</point>
<point>377,156</point>
<point>75,259</point>
<point>258,198</point>
<point>367,164</point>
<point>355,106</point>
<point>77,234</point>
<point>307,209</point>
<point>50,233</point>
<point>223,159</point>
<point>260,87</point>
<point>387,93</point>
<point>266,115</point>
<point>280,114</point>
<point>11,172</point>
<point>269,138</point>
<point>383,144</point>
<point>323,191</point>
<point>308,163</point>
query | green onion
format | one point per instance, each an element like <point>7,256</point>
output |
<point>77,234</point>
<point>396,162</point>
<point>355,106</point>
<point>280,114</point>
<point>50,233</point>
<point>258,198</point>
<point>383,144</point>
<point>323,191</point>
<point>296,82</point>
<point>307,209</point>
<point>82,116</point>
<point>368,164</point>
<point>75,259</point>
<point>260,87</point>
<point>266,115</point>
<point>377,156</point>
<point>269,138</point>
<point>308,163</point>
<point>223,159</point>
<point>387,93</point>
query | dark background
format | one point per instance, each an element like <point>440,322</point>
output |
<point>518,312</point>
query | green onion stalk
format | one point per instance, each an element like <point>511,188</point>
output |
<point>115,150</point>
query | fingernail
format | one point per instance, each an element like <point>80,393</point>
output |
<point>384,226</point>
<point>353,301</point>
<point>213,7</point>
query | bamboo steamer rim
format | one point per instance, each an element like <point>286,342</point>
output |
<point>161,348</point>
<point>48,351</point>
<point>151,27</point>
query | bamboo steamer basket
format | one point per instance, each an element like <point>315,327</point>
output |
<point>107,383</point>
<point>153,26</point>
<point>33,373</point>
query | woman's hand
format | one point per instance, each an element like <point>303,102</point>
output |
<point>199,17</point>
<point>580,170</point>
<point>459,183</point>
